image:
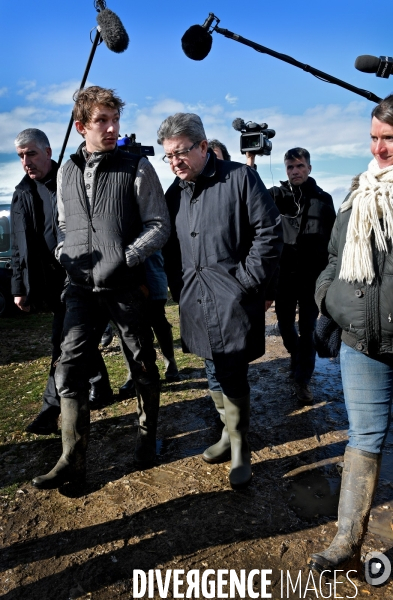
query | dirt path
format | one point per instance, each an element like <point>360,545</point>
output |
<point>182,513</point>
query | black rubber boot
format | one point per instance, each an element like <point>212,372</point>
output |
<point>107,336</point>
<point>237,417</point>
<point>100,395</point>
<point>221,451</point>
<point>358,485</point>
<point>127,390</point>
<point>148,404</point>
<point>75,427</point>
<point>45,422</point>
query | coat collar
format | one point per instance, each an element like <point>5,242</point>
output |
<point>79,157</point>
<point>209,170</point>
<point>309,186</point>
<point>28,184</point>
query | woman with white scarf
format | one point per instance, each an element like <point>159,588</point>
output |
<point>356,290</point>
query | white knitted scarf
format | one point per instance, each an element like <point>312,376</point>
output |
<point>370,202</point>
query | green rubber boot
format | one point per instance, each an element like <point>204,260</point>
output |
<point>358,485</point>
<point>237,416</point>
<point>75,428</point>
<point>221,451</point>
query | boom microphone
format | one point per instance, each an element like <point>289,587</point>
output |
<point>197,41</point>
<point>382,66</point>
<point>112,31</point>
<point>238,124</point>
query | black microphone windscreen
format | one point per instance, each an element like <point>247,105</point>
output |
<point>367,63</point>
<point>196,42</point>
<point>238,124</point>
<point>269,133</point>
<point>112,31</point>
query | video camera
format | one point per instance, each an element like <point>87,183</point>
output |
<point>254,137</point>
<point>129,144</point>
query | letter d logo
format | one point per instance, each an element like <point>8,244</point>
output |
<point>377,568</point>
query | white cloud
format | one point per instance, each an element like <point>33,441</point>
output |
<point>56,94</point>
<point>25,86</point>
<point>165,107</point>
<point>3,91</point>
<point>231,99</point>
<point>52,122</point>
<point>10,175</point>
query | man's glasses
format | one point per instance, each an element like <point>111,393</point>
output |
<point>168,158</point>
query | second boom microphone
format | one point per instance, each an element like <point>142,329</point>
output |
<point>382,66</point>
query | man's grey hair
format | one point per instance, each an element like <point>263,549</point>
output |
<point>187,124</point>
<point>32,135</point>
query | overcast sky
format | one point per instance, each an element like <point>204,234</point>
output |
<point>45,47</point>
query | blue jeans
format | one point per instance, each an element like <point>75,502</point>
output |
<point>368,391</point>
<point>231,382</point>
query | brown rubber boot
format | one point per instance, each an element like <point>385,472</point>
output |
<point>359,483</point>
<point>75,427</point>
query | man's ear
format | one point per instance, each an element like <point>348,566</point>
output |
<point>49,152</point>
<point>309,169</point>
<point>204,146</point>
<point>80,128</point>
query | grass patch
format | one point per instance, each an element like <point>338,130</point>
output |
<point>25,352</point>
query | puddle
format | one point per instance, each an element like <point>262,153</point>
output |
<point>314,495</point>
<point>327,377</point>
<point>381,520</point>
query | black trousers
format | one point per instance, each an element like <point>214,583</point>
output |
<point>293,291</point>
<point>231,381</point>
<point>99,372</point>
<point>162,330</point>
<point>87,314</point>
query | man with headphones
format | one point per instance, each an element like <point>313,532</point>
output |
<point>307,215</point>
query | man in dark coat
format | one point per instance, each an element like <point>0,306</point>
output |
<point>38,279</point>
<point>308,216</point>
<point>224,247</point>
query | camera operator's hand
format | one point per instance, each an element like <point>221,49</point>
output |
<point>251,159</point>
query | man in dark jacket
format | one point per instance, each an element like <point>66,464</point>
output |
<point>224,247</point>
<point>113,214</point>
<point>38,279</point>
<point>308,216</point>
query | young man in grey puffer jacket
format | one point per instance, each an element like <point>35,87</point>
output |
<point>113,213</point>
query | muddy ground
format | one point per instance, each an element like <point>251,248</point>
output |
<point>182,514</point>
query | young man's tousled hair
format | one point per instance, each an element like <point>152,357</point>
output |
<point>87,99</point>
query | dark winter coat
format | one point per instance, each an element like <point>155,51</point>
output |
<point>96,237</point>
<point>224,248</point>
<point>364,312</point>
<point>306,232</point>
<point>35,271</point>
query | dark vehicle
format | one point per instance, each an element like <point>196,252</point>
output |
<point>6,300</point>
